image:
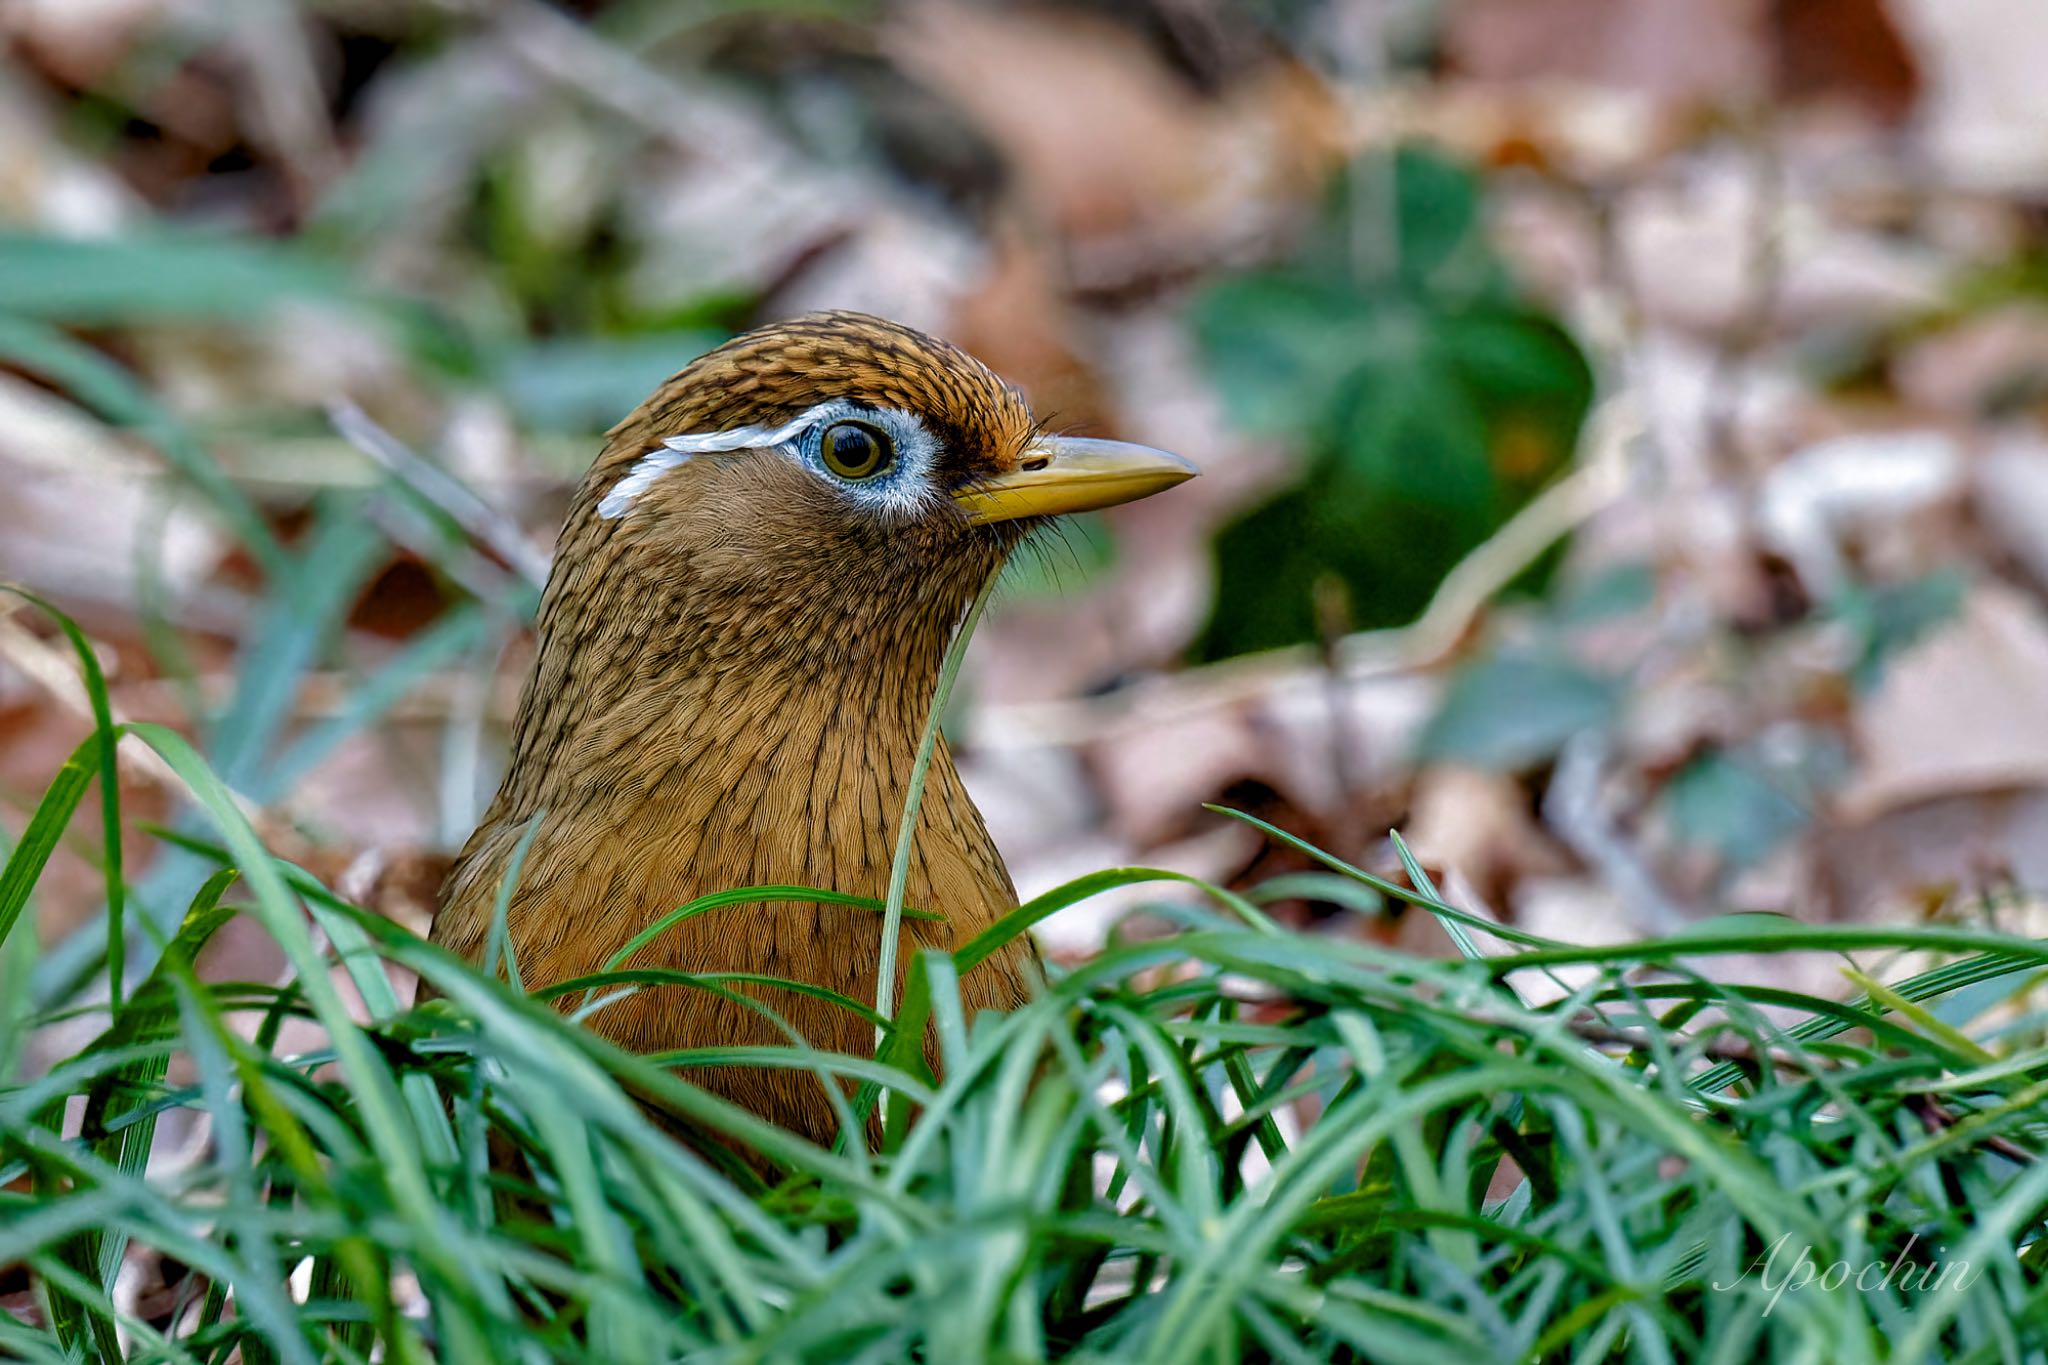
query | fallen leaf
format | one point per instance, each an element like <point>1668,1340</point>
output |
<point>1984,119</point>
<point>2011,498</point>
<point>1960,713</point>
<point>1701,50</point>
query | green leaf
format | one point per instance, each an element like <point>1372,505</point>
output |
<point>1425,404</point>
<point>161,277</point>
<point>1515,710</point>
<point>1619,591</point>
<point>1282,346</point>
<point>1954,1038</point>
<point>313,591</point>
<point>1890,618</point>
<point>1725,803</point>
<point>427,653</point>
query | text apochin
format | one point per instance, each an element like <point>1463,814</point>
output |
<point>1783,1272</point>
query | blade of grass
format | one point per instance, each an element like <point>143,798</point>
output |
<point>1447,913</point>
<point>150,1018</point>
<point>110,791</point>
<point>382,1113</point>
<point>498,942</point>
<point>913,800</point>
<point>434,648</point>
<point>53,812</point>
<point>311,594</point>
<point>746,895</point>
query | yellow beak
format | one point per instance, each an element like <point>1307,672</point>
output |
<point>1070,474</point>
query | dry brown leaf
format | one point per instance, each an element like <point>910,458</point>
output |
<point>1479,825</point>
<point>1845,50</point>
<point>1949,850</point>
<point>1880,491</point>
<point>1985,115</point>
<point>1105,140</point>
<point>1017,321</point>
<point>1703,50</point>
<point>2011,497</point>
<point>1964,370</point>
<point>1961,712</point>
<point>1701,244</point>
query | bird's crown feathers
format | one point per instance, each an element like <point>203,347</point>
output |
<point>945,418</point>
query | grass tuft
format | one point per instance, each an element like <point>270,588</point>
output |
<point>1233,1141</point>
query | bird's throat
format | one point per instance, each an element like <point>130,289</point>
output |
<point>676,742</point>
<point>639,713</point>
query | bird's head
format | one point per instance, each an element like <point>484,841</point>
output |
<point>828,487</point>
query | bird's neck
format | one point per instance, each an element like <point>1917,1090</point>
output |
<point>639,683</point>
<point>675,743</point>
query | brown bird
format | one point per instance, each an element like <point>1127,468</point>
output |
<point>737,650</point>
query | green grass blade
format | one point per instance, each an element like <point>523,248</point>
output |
<point>746,895</point>
<point>110,791</point>
<point>53,813</point>
<point>913,801</point>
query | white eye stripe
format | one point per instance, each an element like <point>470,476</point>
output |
<point>744,438</point>
<point>638,480</point>
<point>903,491</point>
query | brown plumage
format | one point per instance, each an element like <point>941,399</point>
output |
<point>733,669</point>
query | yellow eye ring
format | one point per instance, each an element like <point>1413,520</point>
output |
<point>856,450</point>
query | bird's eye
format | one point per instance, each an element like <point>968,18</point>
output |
<point>855,450</point>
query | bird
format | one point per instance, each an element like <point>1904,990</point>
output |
<point>736,652</point>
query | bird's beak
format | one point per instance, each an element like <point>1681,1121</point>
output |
<point>1071,474</point>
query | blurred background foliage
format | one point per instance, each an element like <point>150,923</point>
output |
<point>1426,399</point>
<point>1625,435</point>
<point>1621,423</point>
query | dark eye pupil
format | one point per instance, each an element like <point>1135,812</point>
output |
<point>853,450</point>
